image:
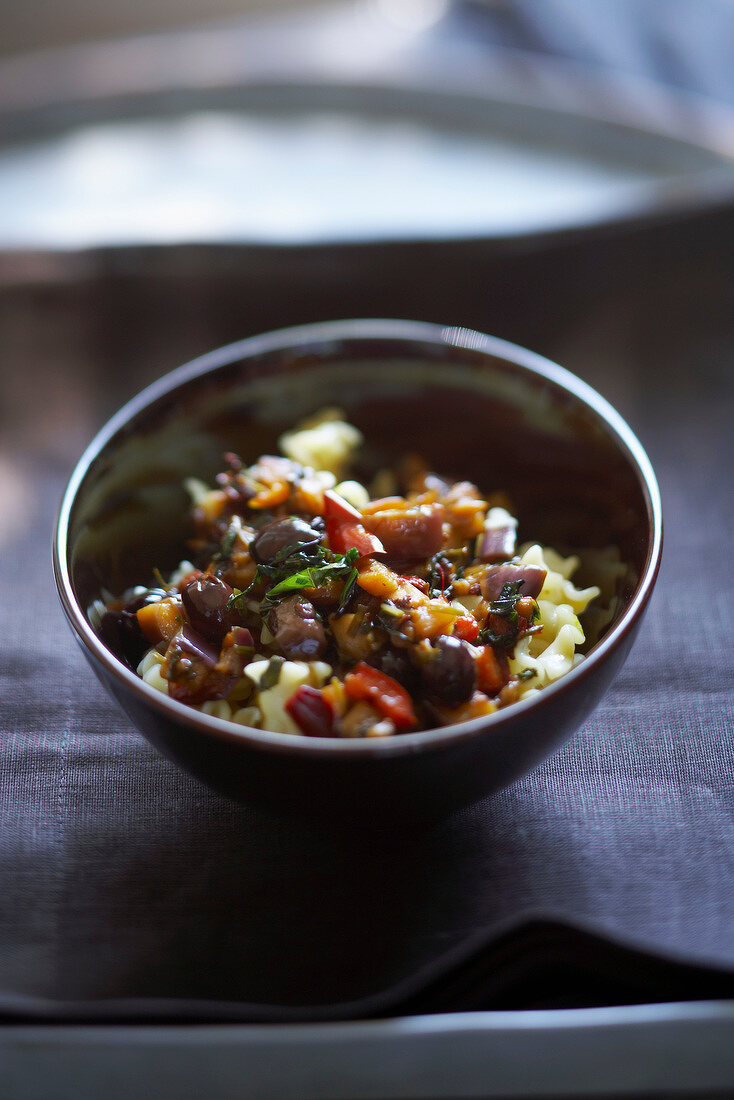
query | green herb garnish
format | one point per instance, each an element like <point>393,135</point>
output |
<point>226,546</point>
<point>348,588</point>
<point>504,605</point>
<point>323,566</point>
<point>504,608</point>
<point>271,675</point>
<point>237,597</point>
<point>296,567</point>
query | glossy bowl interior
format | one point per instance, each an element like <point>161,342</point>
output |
<point>476,408</point>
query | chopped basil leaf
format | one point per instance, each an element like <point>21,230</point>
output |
<point>321,567</point>
<point>491,637</point>
<point>237,597</point>
<point>307,578</point>
<point>347,589</point>
<point>230,537</point>
<point>504,608</point>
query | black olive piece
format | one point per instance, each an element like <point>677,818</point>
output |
<point>279,535</point>
<point>396,664</point>
<point>120,630</point>
<point>450,677</point>
<point>205,603</point>
<point>298,632</point>
<point>121,633</point>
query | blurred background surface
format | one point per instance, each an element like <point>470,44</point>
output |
<point>43,24</point>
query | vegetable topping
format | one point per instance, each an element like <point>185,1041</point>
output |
<point>322,609</point>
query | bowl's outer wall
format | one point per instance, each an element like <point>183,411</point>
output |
<point>418,787</point>
<point>472,415</point>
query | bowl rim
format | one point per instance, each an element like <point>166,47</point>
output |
<point>410,333</point>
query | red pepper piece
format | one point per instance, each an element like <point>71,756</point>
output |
<point>312,713</point>
<point>345,529</point>
<point>466,627</point>
<point>337,508</point>
<point>385,694</point>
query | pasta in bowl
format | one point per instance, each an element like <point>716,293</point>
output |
<point>416,595</point>
<point>322,608</point>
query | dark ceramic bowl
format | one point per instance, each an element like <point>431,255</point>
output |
<point>476,408</point>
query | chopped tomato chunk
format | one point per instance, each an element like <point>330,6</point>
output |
<point>466,627</point>
<point>345,529</point>
<point>388,696</point>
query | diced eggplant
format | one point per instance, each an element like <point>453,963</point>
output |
<point>121,632</point>
<point>298,632</point>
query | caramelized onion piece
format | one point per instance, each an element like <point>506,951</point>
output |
<point>496,577</point>
<point>497,543</point>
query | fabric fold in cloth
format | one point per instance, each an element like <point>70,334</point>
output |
<point>539,964</point>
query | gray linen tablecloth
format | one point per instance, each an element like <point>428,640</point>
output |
<point>606,875</point>
<point>123,878</point>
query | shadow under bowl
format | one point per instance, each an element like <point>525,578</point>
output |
<point>477,408</point>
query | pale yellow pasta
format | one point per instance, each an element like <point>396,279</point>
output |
<point>152,672</point>
<point>152,659</point>
<point>466,603</point>
<point>551,653</point>
<point>327,443</point>
<point>95,611</point>
<point>218,708</point>
<point>247,716</point>
<point>268,707</point>
<point>271,702</point>
<point>354,493</point>
<point>557,587</point>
